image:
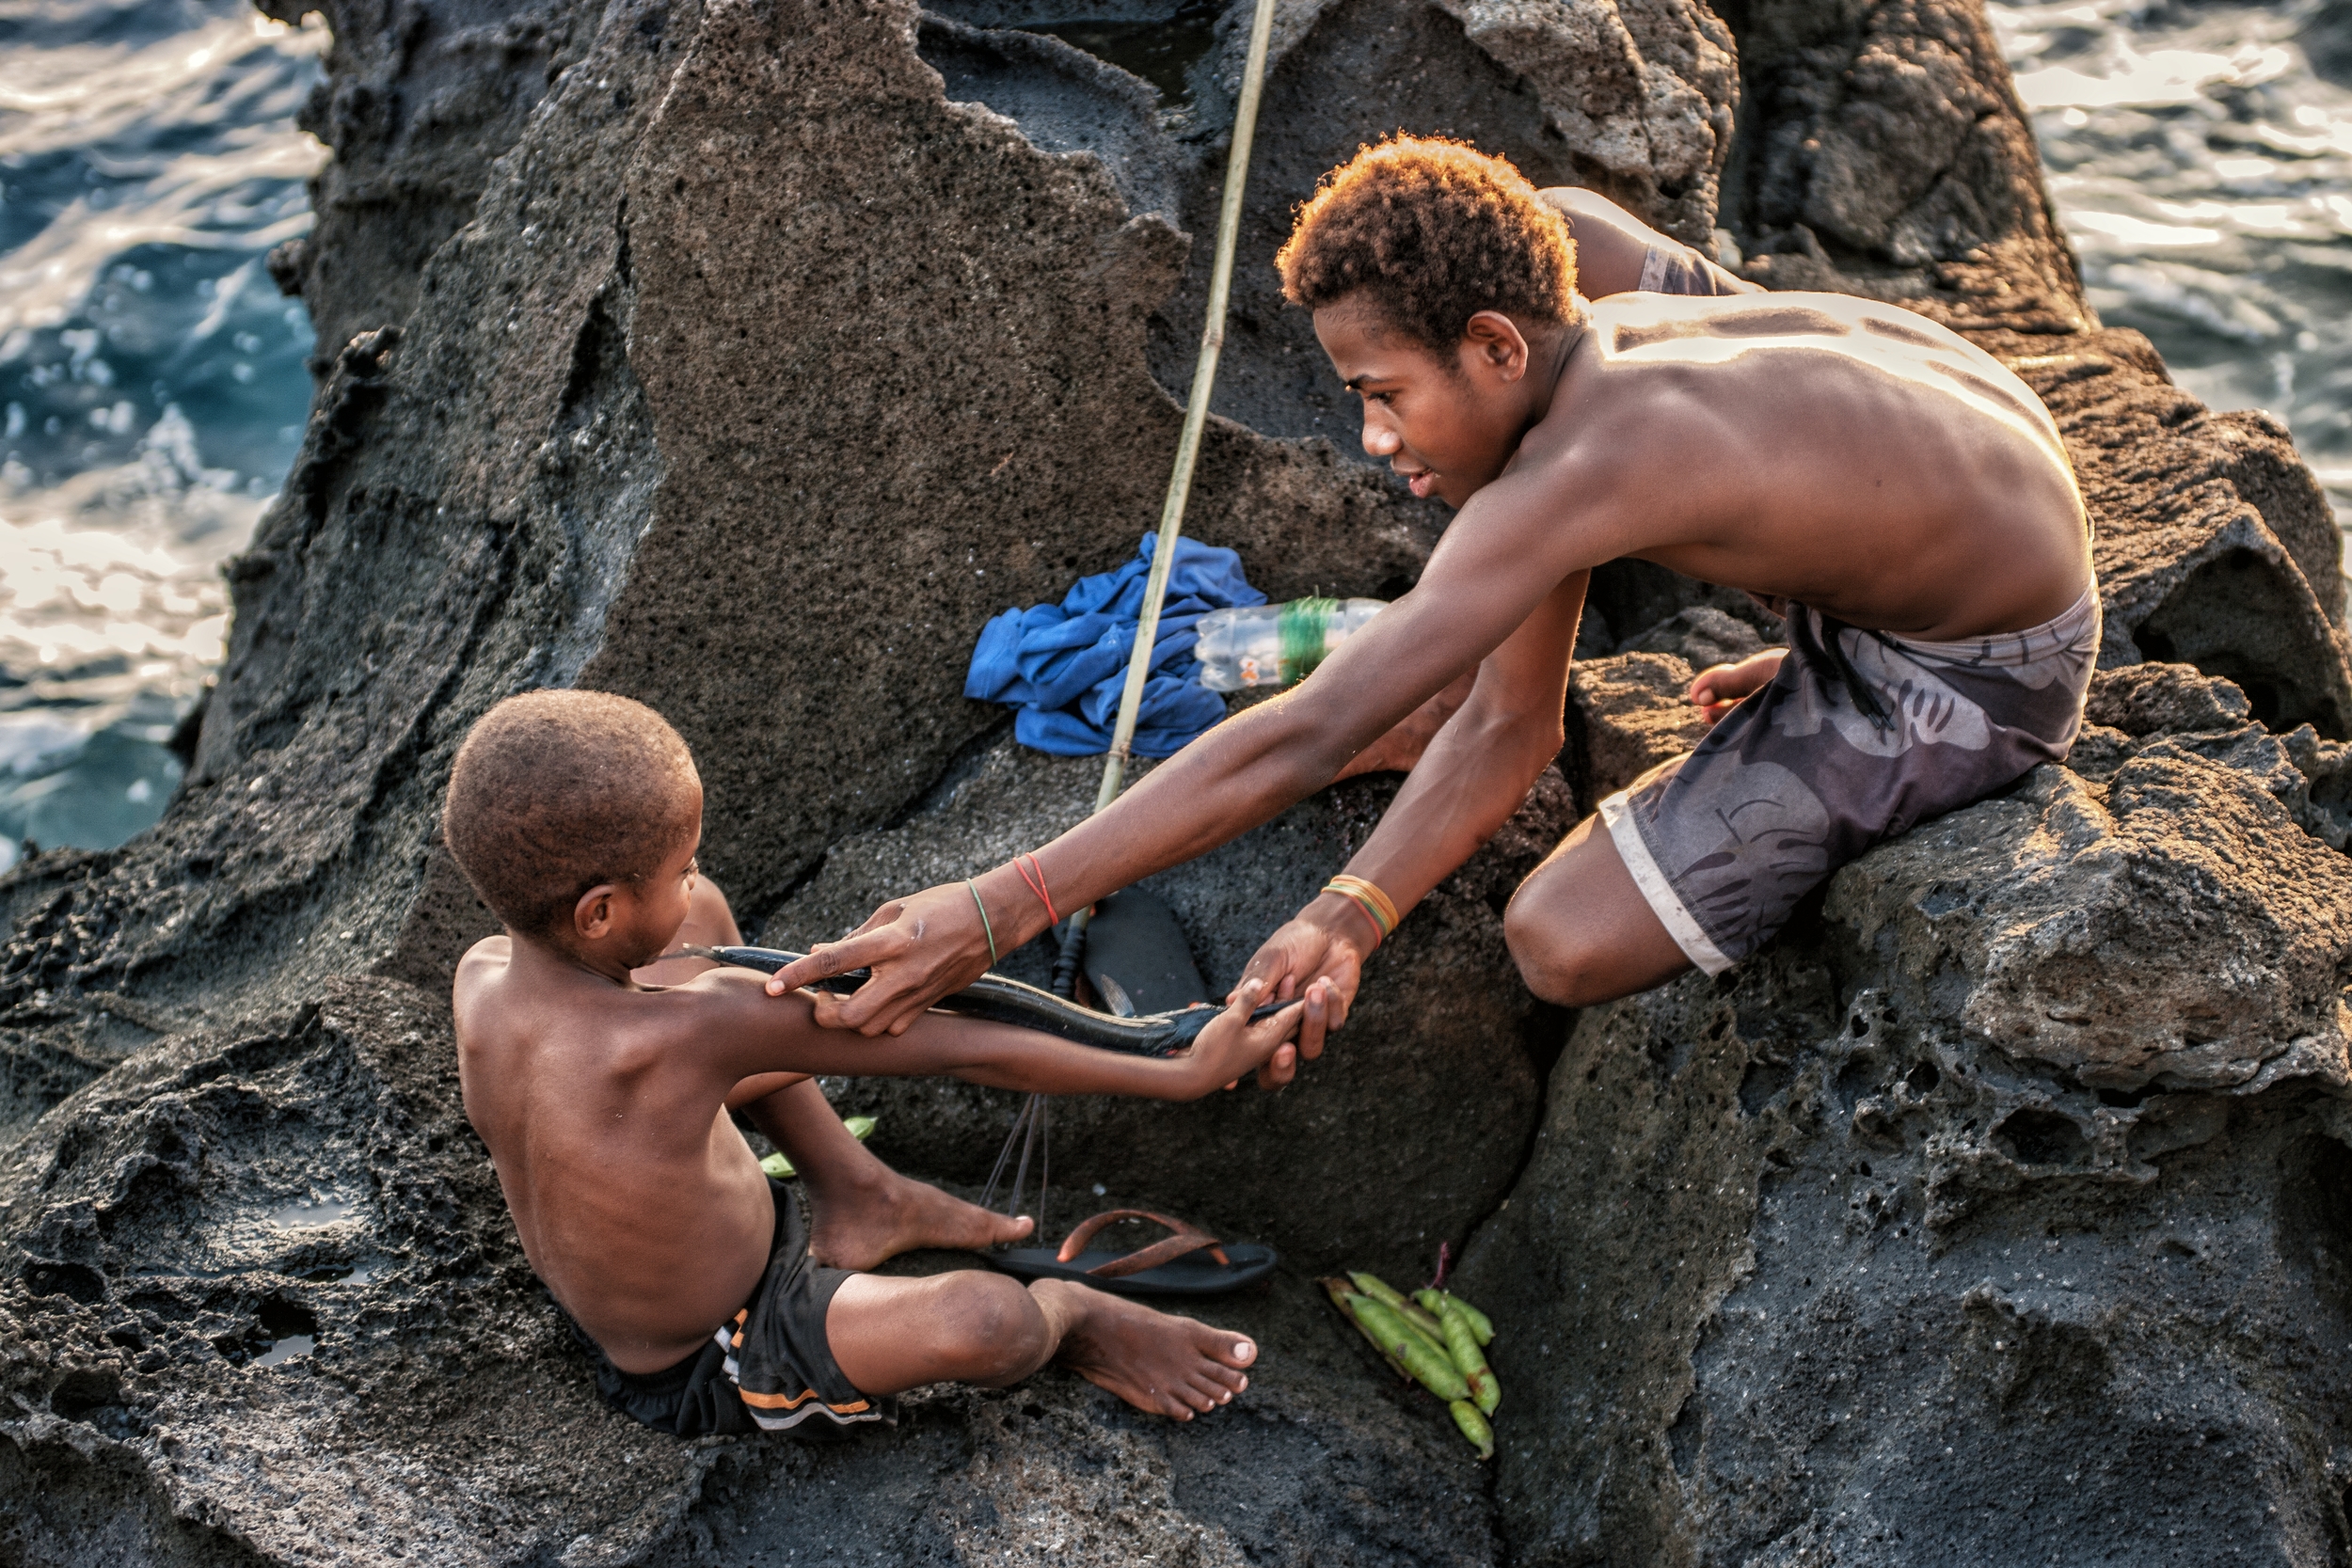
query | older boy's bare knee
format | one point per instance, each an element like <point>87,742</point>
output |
<point>992,1326</point>
<point>1554,960</point>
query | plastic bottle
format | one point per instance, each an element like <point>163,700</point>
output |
<point>1275,644</point>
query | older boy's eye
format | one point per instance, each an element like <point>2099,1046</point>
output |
<point>694,868</point>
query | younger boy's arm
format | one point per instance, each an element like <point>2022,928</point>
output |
<point>753,1033</point>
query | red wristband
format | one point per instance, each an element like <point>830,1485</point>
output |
<point>1038,886</point>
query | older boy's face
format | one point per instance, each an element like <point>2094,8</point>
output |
<point>1448,429</point>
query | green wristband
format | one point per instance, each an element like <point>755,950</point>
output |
<point>988,930</point>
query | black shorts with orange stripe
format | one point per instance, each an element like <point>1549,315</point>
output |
<point>770,1369</point>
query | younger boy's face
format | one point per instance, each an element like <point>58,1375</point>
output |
<point>1447,428</point>
<point>628,925</point>
<point>670,892</point>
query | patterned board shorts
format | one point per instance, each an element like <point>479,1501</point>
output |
<point>1860,735</point>
<point>771,1368</point>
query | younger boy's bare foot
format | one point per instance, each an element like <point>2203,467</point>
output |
<point>859,1225</point>
<point>1166,1364</point>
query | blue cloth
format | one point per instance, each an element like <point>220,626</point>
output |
<point>1064,666</point>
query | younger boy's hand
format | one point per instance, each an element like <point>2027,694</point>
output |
<point>1233,1046</point>
<point>1717,688</point>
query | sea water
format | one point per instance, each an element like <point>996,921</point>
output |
<point>2201,156</point>
<point>152,386</point>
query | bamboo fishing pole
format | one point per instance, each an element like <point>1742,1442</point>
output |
<point>1187,451</point>
<point>1031,1119</point>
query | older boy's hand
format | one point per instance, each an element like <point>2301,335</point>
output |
<point>1320,945</point>
<point>920,948</point>
<point>1715,690</point>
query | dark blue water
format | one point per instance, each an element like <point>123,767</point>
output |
<point>152,387</point>
<point>2201,159</point>
<point>151,382</point>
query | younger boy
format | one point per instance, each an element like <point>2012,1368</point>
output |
<point>604,1102</point>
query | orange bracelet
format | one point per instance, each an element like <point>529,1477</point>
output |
<point>1038,886</point>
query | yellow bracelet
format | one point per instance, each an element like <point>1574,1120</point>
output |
<point>1375,903</point>
<point>1387,907</point>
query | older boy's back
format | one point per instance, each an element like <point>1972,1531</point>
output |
<point>1840,452</point>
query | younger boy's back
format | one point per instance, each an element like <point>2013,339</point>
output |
<point>638,1203</point>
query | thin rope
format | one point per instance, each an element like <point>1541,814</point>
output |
<point>1171,510</point>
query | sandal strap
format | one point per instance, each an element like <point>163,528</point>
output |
<point>1183,1239</point>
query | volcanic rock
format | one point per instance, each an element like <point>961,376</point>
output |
<point>1908,1245</point>
<point>2215,545</point>
<point>1631,712</point>
<point>746,358</point>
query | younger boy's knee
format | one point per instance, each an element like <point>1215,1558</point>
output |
<point>995,1328</point>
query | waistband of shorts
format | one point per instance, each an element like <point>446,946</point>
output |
<point>2071,626</point>
<point>676,1376</point>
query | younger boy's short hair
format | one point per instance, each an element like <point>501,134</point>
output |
<point>554,792</point>
<point>1434,231</point>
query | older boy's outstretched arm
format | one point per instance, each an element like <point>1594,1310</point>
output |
<point>1510,551</point>
<point>1475,774</point>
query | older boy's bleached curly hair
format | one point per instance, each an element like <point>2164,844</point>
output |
<point>1434,231</point>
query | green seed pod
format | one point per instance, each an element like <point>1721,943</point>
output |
<point>1381,1290</point>
<point>1434,1301</point>
<point>1430,1366</point>
<point>1461,1343</point>
<point>1341,1295</point>
<point>1475,1427</point>
<point>1480,1323</point>
<point>1485,1391</point>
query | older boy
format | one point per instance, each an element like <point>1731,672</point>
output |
<point>1900,497</point>
<point>604,1104</point>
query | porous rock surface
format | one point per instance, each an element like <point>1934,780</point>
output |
<point>745,356</point>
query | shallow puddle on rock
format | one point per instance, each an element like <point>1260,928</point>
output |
<point>285,1350</point>
<point>305,1216</point>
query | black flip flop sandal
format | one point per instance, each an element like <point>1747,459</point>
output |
<point>1188,1262</point>
<point>1137,958</point>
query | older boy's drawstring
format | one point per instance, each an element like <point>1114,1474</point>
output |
<point>986,930</point>
<point>1800,636</point>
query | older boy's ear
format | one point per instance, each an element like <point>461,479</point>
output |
<point>592,916</point>
<point>1498,343</point>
